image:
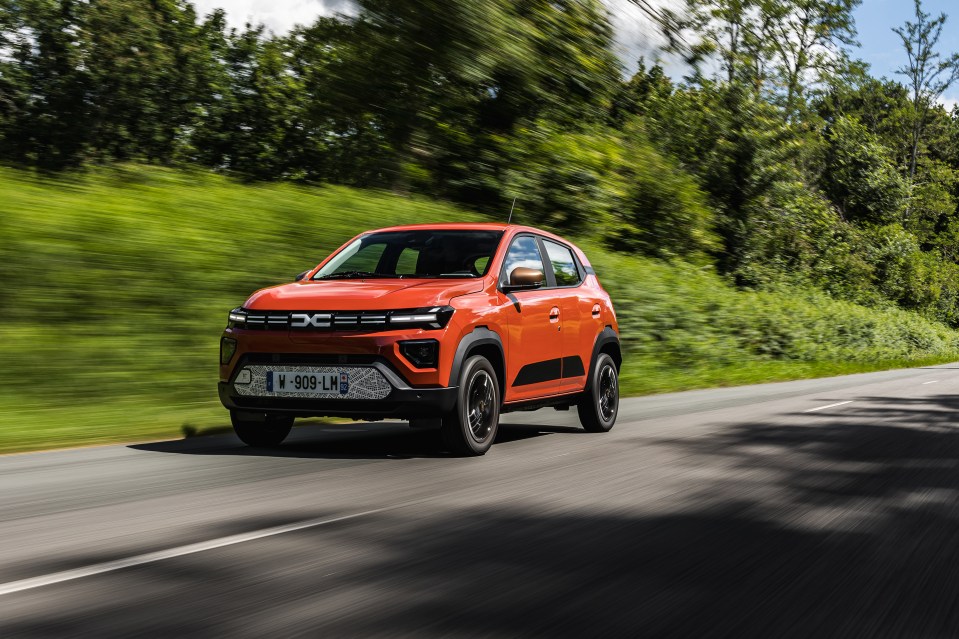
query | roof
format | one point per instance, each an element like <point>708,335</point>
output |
<point>445,226</point>
<point>465,226</point>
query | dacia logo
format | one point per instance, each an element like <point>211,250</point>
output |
<point>303,320</point>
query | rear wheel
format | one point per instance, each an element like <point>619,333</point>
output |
<point>261,430</point>
<point>600,403</point>
<point>470,428</point>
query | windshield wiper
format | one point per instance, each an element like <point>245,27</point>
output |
<point>348,275</point>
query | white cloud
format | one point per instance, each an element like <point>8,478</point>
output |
<point>277,15</point>
<point>638,36</point>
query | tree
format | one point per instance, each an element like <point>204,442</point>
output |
<point>860,177</point>
<point>727,31</point>
<point>49,118</point>
<point>253,126</point>
<point>928,73</point>
<point>642,94</point>
<point>807,38</point>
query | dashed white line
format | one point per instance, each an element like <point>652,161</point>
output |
<point>813,410</point>
<point>150,557</point>
<point>932,382</point>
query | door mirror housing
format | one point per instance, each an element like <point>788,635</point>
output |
<point>301,276</point>
<point>523,279</point>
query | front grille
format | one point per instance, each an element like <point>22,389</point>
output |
<point>316,320</point>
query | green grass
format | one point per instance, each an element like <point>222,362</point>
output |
<point>115,288</point>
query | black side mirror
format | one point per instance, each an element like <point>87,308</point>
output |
<point>523,279</point>
<point>301,276</point>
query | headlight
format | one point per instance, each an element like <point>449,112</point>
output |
<point>433,317</point>
<point>422,353</point>
<point>237,317</point>
<point>227,350</point>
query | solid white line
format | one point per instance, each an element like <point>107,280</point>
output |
<point>932,382</point>
<point>150,557</point>
<point>813,410</point>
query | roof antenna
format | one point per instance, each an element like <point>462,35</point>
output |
<point>511,212</point>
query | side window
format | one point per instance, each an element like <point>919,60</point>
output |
<point>406,263</point>
<point>564,266</point>
<point>523,252</point>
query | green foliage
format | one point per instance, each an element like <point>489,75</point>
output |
<point>795,237</point>
<point>682,318</point>
<point>859,175</point>
<point>664,212</point>
<point>115,288</point>
<point>568,180</point>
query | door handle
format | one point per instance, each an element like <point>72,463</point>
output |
<point>596,311</point>
<point>554,314</point>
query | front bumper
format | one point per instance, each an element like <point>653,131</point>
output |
<point>401,400</point>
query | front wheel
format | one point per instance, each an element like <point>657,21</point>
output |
<point>261,430</point>
<point>471,426</point>
<point>600,403</point>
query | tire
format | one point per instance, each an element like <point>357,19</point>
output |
<point>600,402</point>
<point>470,428</point>
<point>261,430</point>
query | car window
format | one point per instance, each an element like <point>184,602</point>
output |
<point>563,263</point>
<point>406,263</point>
<point>364,258</point>
<point>420,253</point>
<point>523,252</point>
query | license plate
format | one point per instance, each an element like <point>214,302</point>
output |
<point>311,383</point>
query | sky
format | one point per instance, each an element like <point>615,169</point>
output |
<point>880,47</point>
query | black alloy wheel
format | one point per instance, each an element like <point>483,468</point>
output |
<point>471,427</point>
<point>600,402</point>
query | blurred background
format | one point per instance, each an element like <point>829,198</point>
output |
<point>764,198</point>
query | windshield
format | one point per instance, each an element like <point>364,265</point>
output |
<point>414,254</point>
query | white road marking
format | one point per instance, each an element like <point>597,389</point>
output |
<point>813,410</point>
<point>932,382</point>
<point>189,549</point>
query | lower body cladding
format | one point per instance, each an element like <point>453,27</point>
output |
<point>369,390</point>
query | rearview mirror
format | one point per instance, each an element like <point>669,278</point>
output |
<point>522,278</point>
<point>301,276</point>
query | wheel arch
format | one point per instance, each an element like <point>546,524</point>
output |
<point>481,341</point>
<point>606,342</point>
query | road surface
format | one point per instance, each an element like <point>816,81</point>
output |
<point>814,508</point>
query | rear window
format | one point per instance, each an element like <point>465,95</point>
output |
<point>563,263</point>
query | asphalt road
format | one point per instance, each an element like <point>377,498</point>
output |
<point>816,508</point>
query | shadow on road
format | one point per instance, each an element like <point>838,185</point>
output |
<point>844,523</point>
<point>387,440</point>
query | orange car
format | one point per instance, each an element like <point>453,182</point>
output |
<point>444,325</point>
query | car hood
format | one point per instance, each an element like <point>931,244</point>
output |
<point>360,295</point>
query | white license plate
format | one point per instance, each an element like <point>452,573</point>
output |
<point>307,383</point>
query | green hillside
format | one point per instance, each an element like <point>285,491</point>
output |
<point>116,284</point>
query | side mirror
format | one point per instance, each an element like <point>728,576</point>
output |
<point>301,276</point>
<point>522,278</point>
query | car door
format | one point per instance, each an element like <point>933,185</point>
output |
<point>566,280</point>
<point>534,351</point>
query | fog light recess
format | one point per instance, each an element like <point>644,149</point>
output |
<point>227,350</point>
<point>422,353</point>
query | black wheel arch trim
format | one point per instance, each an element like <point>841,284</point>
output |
<point>605,337</point>
<point>480,336</point>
